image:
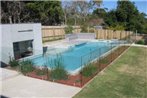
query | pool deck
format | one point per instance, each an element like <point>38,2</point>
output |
<point>65,42</point>
<point>14,84</point>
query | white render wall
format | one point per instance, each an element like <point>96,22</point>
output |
<point>0,43</point>
<point>37,43</point>
<point>11,33</point>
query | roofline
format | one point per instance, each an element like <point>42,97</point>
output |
<point>18,23</point>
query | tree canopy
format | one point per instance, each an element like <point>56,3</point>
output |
<point>127,17</point>
<point>46,12</point>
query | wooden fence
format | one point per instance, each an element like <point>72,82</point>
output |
<point>50,33</point>
<point>111,34</point>
<point>56,32</point>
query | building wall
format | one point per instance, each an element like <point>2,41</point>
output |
<point>37,43</point>
<point>0,42</point>
<point>7,47</point>
<point>20,32</point>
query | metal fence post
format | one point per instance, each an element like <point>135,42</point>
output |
<point>111,51</point>
<point>81,71</point>
<point>100,59</point>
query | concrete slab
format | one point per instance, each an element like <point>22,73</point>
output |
<point>22,86</point>
<point>5,73</point>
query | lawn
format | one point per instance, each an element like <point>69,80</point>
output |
<point>125,78</point>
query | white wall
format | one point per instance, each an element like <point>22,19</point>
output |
<point>22,36</point>
<point>11,33</point>
<point>37,43</point>
<point>0,42</point>
<point>7,47</point>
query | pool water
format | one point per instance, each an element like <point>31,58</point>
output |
<point>76,56</point>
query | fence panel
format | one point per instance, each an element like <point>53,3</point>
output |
<point>56,32</point>
<point>110,34</point>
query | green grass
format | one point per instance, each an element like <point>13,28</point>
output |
<point>125,78</point>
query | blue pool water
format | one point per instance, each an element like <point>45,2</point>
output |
<point>75,57</point>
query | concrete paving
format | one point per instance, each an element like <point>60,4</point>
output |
<point>137,45</point>
<point>22,86</point>
<point>5,74</point>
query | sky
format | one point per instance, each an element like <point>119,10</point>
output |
<point>112,4</point>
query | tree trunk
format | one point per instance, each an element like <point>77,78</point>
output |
<point>65,22</point>
<point>10,19</point>
<point>75,21</point>
<point>18,18</point>
<point>84,19</point>
<point>14,19</point>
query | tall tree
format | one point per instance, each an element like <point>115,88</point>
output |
<point>79,9</point>
<point>100,12</point>
<point>66,10</point>
<point>126,16</point>
<point>46,12</point>
<point>11,11</point>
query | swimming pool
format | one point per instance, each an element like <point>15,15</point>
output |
<point>76,56</point>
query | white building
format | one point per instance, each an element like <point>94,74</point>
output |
<point>20,40</point>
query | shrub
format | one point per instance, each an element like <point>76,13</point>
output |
<point>58,72</point>
<point>89,70</point>
<point>141,42</point>
<point>13,63</point>
<point>40,72</point>
<point>84,27</point>
<point>77,81</point>
<point>68,29</point>
<point>104,61</point>
<point>145,41</point>
<point>91,30</point>
<point>43,71</point>
<point>27,66</point>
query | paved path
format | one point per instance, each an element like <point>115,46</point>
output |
<point>6,74</point>
<point>137,45</point>
<point>22,86</point>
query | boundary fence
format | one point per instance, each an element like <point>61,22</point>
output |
<point>111,34</point>
<point>51,33</point>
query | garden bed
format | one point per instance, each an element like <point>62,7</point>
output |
<point>34,75</point>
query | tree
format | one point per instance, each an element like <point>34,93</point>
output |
<point>100,12</point>
<point>78,10</point>
<point>11,11</point>
<point>126,16</point>
<point>66,10</point>
<point>74,11</point>
<point>83,9</point>
<point>46,12</point>
<point>111,18</point>
<point>94,4</point>
<point>70,12</point>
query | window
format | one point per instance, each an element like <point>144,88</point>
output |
<point>16,46</point>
